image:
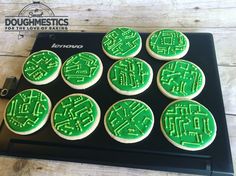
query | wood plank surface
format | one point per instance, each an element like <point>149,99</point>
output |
<point>214,16</point>
<point>223,38</point>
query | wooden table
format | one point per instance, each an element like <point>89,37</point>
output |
<point>215,16</point>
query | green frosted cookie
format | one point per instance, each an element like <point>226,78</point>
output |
<point>82,70</point>
<point>167,44</point>
<point>41,67</point>
<point>75,117</point>
<point>130,76</point>
<point>121,42</point>
<point>180,79</point>
<point>188,125</point>
<point>129,121</point>
<point>27,111</point>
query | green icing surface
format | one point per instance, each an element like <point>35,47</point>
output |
<point>130,74</point>
<point>41,65</point>
<point>122,42</point>
<point>74,115</point>
<point>129,119</point>
<point>167,43</point>
<point>181,78</point>
<point>27,110</point>
<point>81,68</point>
<point>188,124</point>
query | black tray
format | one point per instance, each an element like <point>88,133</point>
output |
<point>154,152</point>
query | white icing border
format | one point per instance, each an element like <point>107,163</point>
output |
<point>166,58</point>
<point>134,92</point>
<point>36,128</point>
<point>49,79</point>
<point>169,95</point>
<point>89,131</point>
<point>184,147</point>
<point>128,141</point>
<point>88,84</point>
<point>131,55</point>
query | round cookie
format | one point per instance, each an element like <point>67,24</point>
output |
<point>188,125</point>
<point>130,76</point>
<point>41,67</point>
<point>167,44</point>
<point>75,116</point>
<point>129,121</point>
<point>121,42</point>
<point>82,70</point>
<point>27,111</point>
<point>180,79</point>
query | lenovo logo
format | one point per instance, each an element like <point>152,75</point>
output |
<point>54,45</point>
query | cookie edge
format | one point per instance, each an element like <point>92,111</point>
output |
<point>88,84</point>
<point>169,95</point>
<point>118,57</point>
<point>36,128</point>
<point>87,133</point>
<point>135,92</point>
<point>167,58</point>
<point>183,147</point>
<point>48,80</point>
<point>128,141</point>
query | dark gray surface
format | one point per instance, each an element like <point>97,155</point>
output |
<point>154,152</point>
